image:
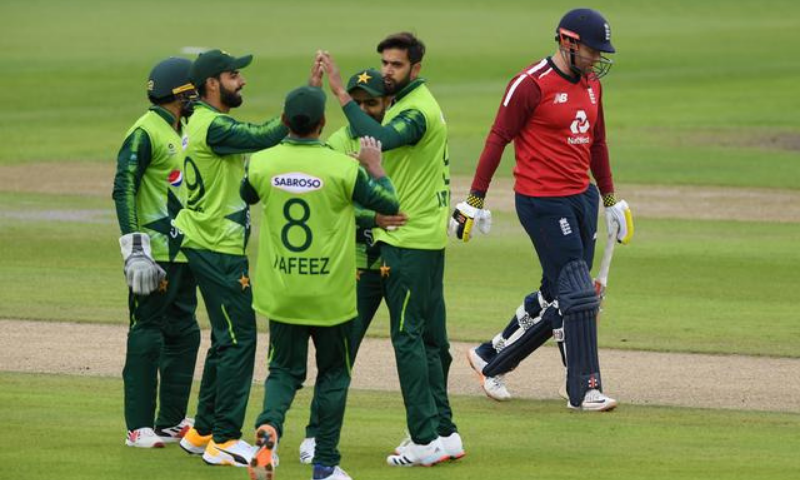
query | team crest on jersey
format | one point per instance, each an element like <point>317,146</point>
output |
<point>297,182</point>
<point>185,141</point>
<point>171,150</point>
<point>175,178</point>
<point>592,98</point>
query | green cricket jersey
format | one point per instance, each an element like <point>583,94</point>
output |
<point>415,134</point>
<point>368,254</point>
<point>146,186</point>
<point>215,217</point>
<point>306,273</point>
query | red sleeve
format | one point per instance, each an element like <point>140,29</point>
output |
<point>521,98</point>
<point>600,165</point>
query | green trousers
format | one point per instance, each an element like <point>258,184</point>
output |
<point>288,355</point>
<point>163,340</point>
<point>415,297</point>
<point>369,292</point>
<point>228,371</point>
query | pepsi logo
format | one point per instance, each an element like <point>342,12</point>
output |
<point>175,178</point>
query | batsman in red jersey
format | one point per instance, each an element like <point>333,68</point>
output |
<point>553,112</point>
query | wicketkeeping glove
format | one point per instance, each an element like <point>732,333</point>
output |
<point>619,216</point>
<point>142,273</point>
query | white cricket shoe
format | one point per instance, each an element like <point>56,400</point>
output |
<point>237,453</point>
<point>403,445</point>
<point>143,438</point>
<point>414,454</point>
<point>595,401</point>
<point>322,472</point>
<point>175,433</point>
<point>453,446</point>
<point>307,449</point>
<point>493,387</point>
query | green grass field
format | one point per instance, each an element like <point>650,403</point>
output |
<point>74,423</point>
<point>703,94</point>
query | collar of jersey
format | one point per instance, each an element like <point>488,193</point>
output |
<point>163,113</point>
<point>302,141</point>
<point>562,74</point>
<point>409,88</point>
<point>201,103</point>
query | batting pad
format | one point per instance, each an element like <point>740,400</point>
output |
<point>579,306</point>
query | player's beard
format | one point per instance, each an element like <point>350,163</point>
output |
<point>229,98</point>
<point>392,87</point>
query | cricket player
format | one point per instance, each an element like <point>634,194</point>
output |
<point>163,338</point>
<point>305,282</point>
<point>369,92</point>
<point>216,224</point>
<point>414,137</point>
<point>553,112</point>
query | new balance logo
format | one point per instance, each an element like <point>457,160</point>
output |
<point>560,98</point>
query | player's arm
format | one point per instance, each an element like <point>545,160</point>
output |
<point>132,160</point>
<point>618,214</point>
<point>142,273</point>
<point>365,217</point>
<point>227,136</point>
<point>373,189</point>
<point>521,98</point>
<point>247,191</point>
<point>407,128</point>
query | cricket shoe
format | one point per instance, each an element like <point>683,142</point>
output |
<point>415,454</point>
<point>237,453</point>
<point>595,401</point>
<point>175,433</point>
<point>194,443</point>
<point>453,446</point>
<point>262,465</point>
<point>307,449</point>
<point>493,387</point>
<point>322,472</point>
<point>143,438</point>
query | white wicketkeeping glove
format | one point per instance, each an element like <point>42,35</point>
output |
<point>142,273</point>
<point>619,216</point>
<point>465,217</point>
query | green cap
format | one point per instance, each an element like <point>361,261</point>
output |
<point>304,106</point>
<point>369,80</point>
<point>213,62</point>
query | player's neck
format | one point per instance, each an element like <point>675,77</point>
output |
<point>561,64</point>
<point>216,103</point>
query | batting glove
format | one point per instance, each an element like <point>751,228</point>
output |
<point>620,218</point>
<point>142,273</point>
<point>469,214</point>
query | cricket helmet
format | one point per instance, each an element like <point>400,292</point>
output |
<point>588,27</point>
<point>169,79</point>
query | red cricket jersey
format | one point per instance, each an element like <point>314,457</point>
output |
<point>556,123</point>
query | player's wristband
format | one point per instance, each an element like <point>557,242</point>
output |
<point>609,200</point>
<point>476,199</point>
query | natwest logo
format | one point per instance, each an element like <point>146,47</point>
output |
<point>297,182</point>
<point>579,126</point>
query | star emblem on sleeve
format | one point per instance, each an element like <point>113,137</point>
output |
<point>244,281</point>
<point>364,77</point>
<point>163,285</point>
<point>385,269</point>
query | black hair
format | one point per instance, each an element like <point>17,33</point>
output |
<point>404,41</point>
<point>301,126</point>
